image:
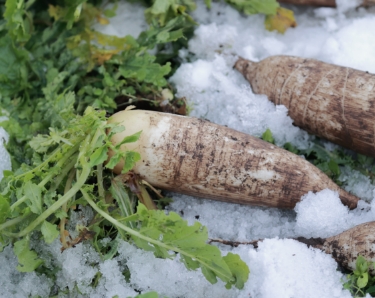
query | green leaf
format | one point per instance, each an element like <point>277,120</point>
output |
<point>164,10</point>
<point>238,268</point>
<point>99,156</point>
<point>4,209</point>
<point>362,280</point>
<point>288,146</point>
<point>130,139</point>
<point>13,68</point>
<point>123,198</point>
<point>333,166</point>
<point>34,195</point>
<point>131,157</point>
<point>267,7</point>
<point>267,136</point>
<point>172,31</point>
<point>371,289</point>
<point>49,231</point>
<point>115,159</point>
<point>27,259</point>
<point>143,69</point>
<point>171,233</point>
<point>148,295</point>
<point>19,21</point>
<point>115,129</point>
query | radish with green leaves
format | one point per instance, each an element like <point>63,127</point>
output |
<point>39,200</point>
<point>200,158</point>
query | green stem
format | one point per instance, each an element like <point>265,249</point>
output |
<point>68,154</point>
<point>65,198</point>
<point>68,186</point>
<point>143,237</point>
<point>100,181</point>
<point>58,179</point>
<point>14,221</point>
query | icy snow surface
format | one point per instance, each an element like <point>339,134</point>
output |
<point>4,157</point>
<point>279,267</point>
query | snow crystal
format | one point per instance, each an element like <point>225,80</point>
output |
<point>129,20</point>
<point>4,156</point>
<point>19,284</point>
<point>357,183</point>
<point>235,222</point>
<point>168,277</point>
<point>112,282</point>
<point>323,215</point>
<point>287,268</point>
<point>346,5</point>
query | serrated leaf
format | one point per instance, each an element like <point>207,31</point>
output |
<point>13,68</point>
<point>34,195</point>
<point>175,29</point>
<point>28,259</point>
<point>115,159</point>
<point>281,21</point>
<point>115,129</point>
<point>19,21</point>
<point>173,233</point>
<point>99,156</point>
<point>143,69</point>
<point>49,232</point>
<point>130,160</point>
<point>61,214</point>
<point>238,268</point>
<point>164,10</point>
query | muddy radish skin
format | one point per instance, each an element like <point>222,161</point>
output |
<point>347,246</point>
<point>327,3</point>
<point>330,101</point>
<point>200,158</point>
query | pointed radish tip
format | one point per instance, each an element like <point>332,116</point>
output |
<point>240,64</point>
<point>348,199</point>
<point>244,65</point>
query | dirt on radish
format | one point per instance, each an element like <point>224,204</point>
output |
<point>330,101</point>
<point>196,157</point>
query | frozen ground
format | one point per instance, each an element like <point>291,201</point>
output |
<point>279,267</point>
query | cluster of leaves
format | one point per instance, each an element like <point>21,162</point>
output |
<point>59,80</point>
<point>45,58</point>
<point>331,161</point>
<point>360,282</point>
<point>69,172</point>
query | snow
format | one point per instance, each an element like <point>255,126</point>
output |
<point>4,156</point>
<point>279,267</point>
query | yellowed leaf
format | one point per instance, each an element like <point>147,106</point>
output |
<point>100,56</point>
<point>281,21</point>
<point>102,21</point>
<point>55,11</point>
